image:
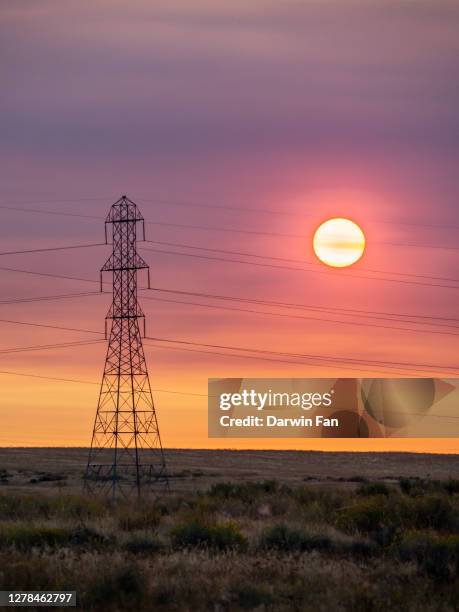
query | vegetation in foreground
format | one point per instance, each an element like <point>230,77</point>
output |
<point>242,546</point>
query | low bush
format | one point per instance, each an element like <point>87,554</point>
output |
<point>357,547</point>
<point>318,502</point>
<point>451,486</point>
<point>249,596</point>
<point>223,536</point>
<point>121,588</point>
<point>288,539</point>
<point>382,517</point>
<point>416,487</point>
<point>19,570</point>
<point>24,537</point>
<point>84,536</point>
<point>146,517</point>
<point>369,516</point>
<point>245,491</point>
<point>141,545</point>
<point>48,477</point>
<point>373,488</point>
<point>437,556</point>
<point>411,486</point>
<point>34,507</point>
<point>433,511</point>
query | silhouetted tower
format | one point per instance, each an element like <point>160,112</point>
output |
<point>126,454</point>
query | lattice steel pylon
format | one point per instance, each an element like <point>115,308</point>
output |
<point>126,455</point>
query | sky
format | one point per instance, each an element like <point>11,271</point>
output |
<point>236,127</point>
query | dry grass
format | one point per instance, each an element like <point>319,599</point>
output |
<point>263,545</point>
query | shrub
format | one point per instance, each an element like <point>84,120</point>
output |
<point>368,516</point>
<point>415,487</point>
<point>249,596</point>
<point>141,545</point>
<point>4,476</point>
<point>124,586</point>
<point>190,535</point>
<point>411,486</point>
<point>451,486</point>
<point>431,512</point>
<point>202,509</point>
<point>147,517</point>
<point>27,536</point>
<point>82,535</point>
<point>383,518</point>
<point>316,501</point>
<point>435,555</point>
<point>227,536</point>
<point>223,536</point>
<point>373,488</point>
<point>14,507</point>
<point>245,491</point>
<point>80,507</point>
<point>164,595</point>
<point>48,477</point>
<point>357,547</point>
<point>282,537</point>
<point>23,571</point>
<point>33,507</point>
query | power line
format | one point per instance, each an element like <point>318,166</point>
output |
<point>260,358</point>
<point>42,347</point>
<point>308,270</point>
<point>58,327</point>
<point>71,380</point>
<point>210,306</point>
<point>241,253</point>
<point>91,382</point>
<point>313,356</point>
<point>337,359</point>
<point>303,356</point>
<point>50,275</point>
<point>270,211</point>
<point>48,298</point>
<point>289,361</point>
<point>188,204</point>
<point>59,200</point>
<point>300,261</point>
<point>290,305</point>
<point>207,295</point>
<point>59,213</point>
<point>212,258</point>
<point>187,393</point>
<point>195,204</point>
<point>279,235</point>
<point>421,246</point>
<point>56,248</point>
<point>321,319</point>
<point>224,297</point>
<point>218,229</point>
<point>230,252</point>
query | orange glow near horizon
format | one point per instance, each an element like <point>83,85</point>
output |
<point>339,242</point>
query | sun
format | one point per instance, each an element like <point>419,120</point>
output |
<point>339,242</point>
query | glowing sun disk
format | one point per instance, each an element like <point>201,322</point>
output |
<point>339,242</point>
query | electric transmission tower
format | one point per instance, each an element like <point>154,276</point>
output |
<point>126,455</point>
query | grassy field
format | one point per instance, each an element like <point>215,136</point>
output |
<point>349,540</point>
